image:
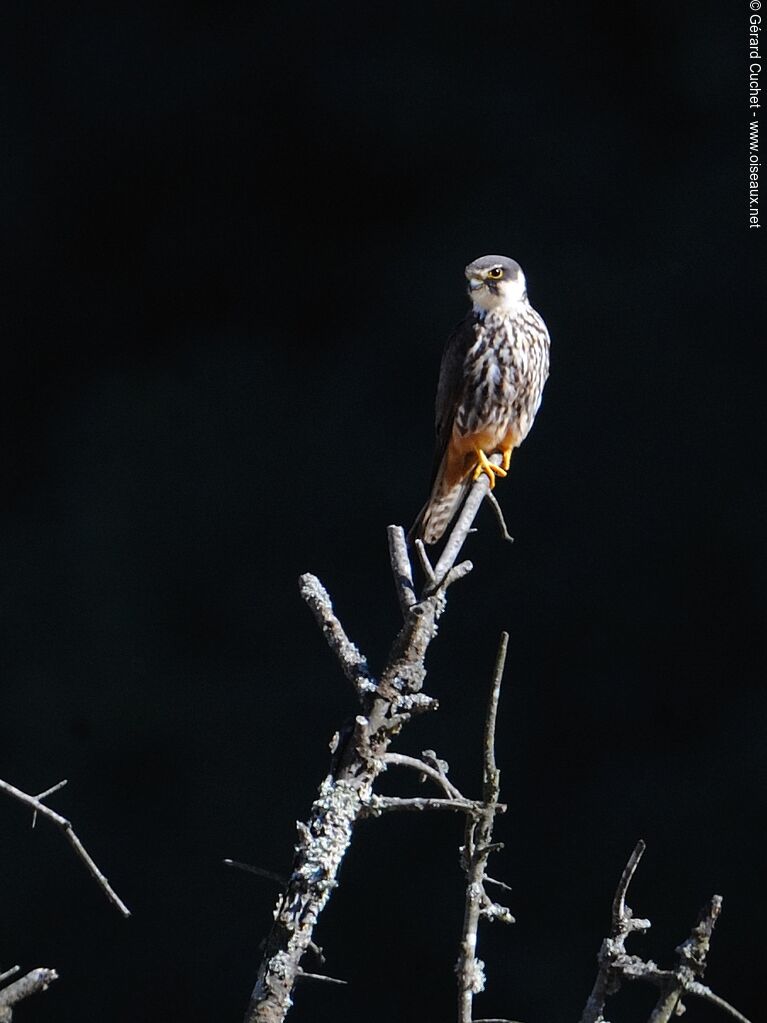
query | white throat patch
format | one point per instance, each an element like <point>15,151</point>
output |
<point>510,295</point>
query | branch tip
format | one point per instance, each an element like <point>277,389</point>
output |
<point>619,901</point>
<point>499,517</point>
<point>401,568</point>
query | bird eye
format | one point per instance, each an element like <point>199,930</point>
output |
<point>496,273</point>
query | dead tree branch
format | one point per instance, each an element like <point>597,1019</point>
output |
<point>383,804</point>
<point>39,807</point>
<point>432,768</point>
<point>359,753</point>
<point>616,965</point>
<point>476,850</point>
<point>493,500</point>
<point>30,984</point>
<point>460,531</point>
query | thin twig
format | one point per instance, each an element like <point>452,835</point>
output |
<point>423,559</point>
<point>621,916</point>
<point>494,504</point>
<point>402,760</point>
<point>491,773</point>
<point>696,988</point>
<point>249,868</point>
<point>477,848</point>
<point>303,975</point>
<point>9,973</point>
<point>499,884</point>
<point>44,795</point>
<point>69,832</point>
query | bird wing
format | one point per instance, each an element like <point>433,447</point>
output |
<point>450,384</point>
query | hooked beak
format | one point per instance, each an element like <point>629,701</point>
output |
<point>475,283</point>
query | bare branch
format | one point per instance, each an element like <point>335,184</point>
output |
<point>423,558</point>
<point>44,795</point>
<point>9,973</point>
<point>383,804</point>
<point>491,774</point>
<point>66,826</point>
<point>353,663</point>
<point>424,769</point>
<point>499,884</point>
<point>303,975</point>
<point>615,965</point>
<point>457,572</point>
<point>401,568</point>
<point>692,955</point>
<point>477,848</point>
<point>607,980</point>
<point>621,915</point>
<point>460,531</point>
<point>30,984</point>
<point>696,988</point>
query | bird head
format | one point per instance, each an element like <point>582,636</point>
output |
<point>496,283</point>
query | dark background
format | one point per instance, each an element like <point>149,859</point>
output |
<point>233,243</point>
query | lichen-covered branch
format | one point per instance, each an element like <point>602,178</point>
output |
<point>29,984</point>
<point>359,752</point>
<point>353,664</point>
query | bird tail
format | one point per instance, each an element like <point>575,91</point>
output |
<point>446,497</point>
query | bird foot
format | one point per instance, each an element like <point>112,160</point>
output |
<point>490,469</point>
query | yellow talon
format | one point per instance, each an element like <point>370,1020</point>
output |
<point>491,470</point>
<point>506,458</point>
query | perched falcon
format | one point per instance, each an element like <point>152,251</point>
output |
<point>491,381</point>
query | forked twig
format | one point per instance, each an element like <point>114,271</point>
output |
<point>35,802</point>
<point>616,965</point>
